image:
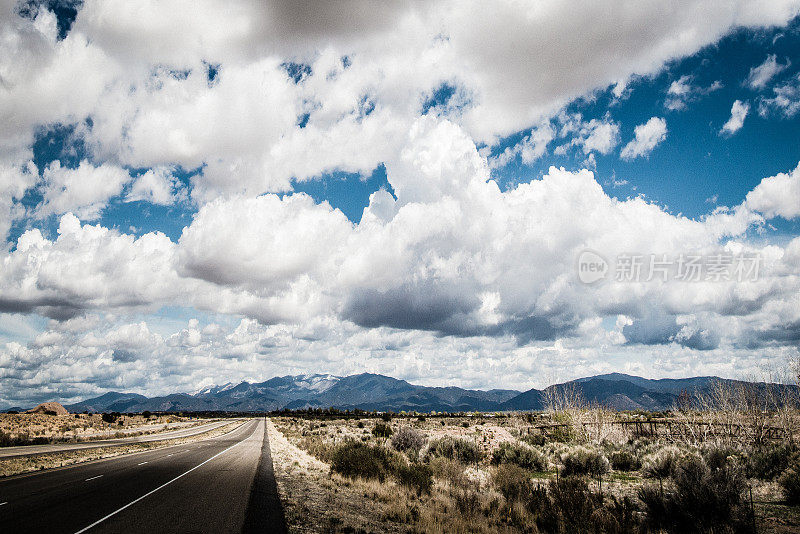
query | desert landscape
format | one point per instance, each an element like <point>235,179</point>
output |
<point>571,468</point>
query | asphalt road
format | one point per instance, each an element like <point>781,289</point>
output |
<point>218,485</point>
<point>30,450</point>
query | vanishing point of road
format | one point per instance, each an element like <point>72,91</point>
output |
<point>217,485</point>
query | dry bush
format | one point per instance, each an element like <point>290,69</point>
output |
<point>451,471</point>
<point>408,440</point>
<point>463,450</point>
<point>701,500</point>
<point>358,460</point>
<point>582,461</point>
<point>521,455</point>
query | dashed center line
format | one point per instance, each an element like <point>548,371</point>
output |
<point>142,463</point>
<point>92,478</point>
<point>2,503</point>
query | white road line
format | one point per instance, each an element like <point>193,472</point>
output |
<point>142,463</point>
<point>169,455</point>
<point>115,512</point>
<point>2,503</point>
<point>88,479</point>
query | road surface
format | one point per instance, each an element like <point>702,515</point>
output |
<point>30,450</point>
<point>222,484</point>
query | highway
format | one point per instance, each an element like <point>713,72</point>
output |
<point>30,450</point>
<point>221,484</point>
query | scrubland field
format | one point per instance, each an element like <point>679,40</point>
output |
<point>34,429</point>
<point>734,468</point>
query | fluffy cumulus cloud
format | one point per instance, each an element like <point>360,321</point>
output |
<point>84,190</point>
<point>157,186</point>
<point>444,270</point>
<point>777,196</point>
<point>739,112</point>
<point>645,138</point>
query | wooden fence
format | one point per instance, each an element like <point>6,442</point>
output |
<point>676,429</point>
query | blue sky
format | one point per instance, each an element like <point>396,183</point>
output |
<point>323,199</point>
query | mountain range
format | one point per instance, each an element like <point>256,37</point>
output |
<point>382,393</point>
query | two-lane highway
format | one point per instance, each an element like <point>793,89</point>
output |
<point>204,486</point>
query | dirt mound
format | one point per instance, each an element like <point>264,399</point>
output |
<point>50,408</point>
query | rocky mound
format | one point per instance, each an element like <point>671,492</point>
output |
<point>50,408</point>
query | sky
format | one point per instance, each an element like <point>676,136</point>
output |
<point>487,195</point>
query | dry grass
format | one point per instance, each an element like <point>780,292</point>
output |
<point>464,498</point>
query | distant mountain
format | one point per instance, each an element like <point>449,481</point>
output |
<point>383,393</point>
<point>111,401</point>
<point>625,392</point>
<point>364,391</point>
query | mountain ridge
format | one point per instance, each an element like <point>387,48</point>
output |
<point>368,391</point>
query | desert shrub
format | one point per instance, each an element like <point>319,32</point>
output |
<point>790,484</point>
<point>449,470</point>
<point>467,502</point>
<point>513,482</point>
<point>317,448</point>
<point>415,476</point>
<point>463,450</point>
<point>625,461</point>
<point>717,456</point>
<point>146,414</point>
<point>537,440</point>
<point>518,454</point>
<point>768,463</point>
<point>110,417</point>
<point>582,461</point>
<point>701,500</point>
<point>562,434</point>
<point>382,430</point>
<point>662,463</point>
<point>408,440</point>
<point>355,459</point>
<point>569,506</point>
<point>386,417</point>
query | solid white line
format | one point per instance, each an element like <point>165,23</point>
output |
<point>88,479</point>
<point>142,463</point>
<point>115,512</point>
<point>2,503</point>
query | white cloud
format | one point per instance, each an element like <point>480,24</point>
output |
<point>777,195</point>
<point>739,111</point>
<point>532,147</point>
<point>683,90</point>
<point>157,186</point>
<point>786,100</point>
<point>84,190</point>
<point>646,137</point>
<point>761,75</point>
<point>598,135</point>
